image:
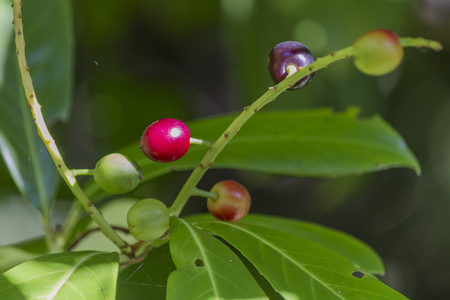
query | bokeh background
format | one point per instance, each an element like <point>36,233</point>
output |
<point>138,61</point>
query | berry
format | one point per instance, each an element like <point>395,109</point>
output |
<point>117,174</point>
<point>287,55</point>
<point>232,202</point>
<point>165,140</point>
<point>148,219</point>
<point>377,52</point>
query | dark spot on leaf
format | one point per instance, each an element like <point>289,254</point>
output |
<point>358,274</point>
<point>199,263</point>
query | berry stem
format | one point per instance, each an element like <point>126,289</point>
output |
<point>194,141</point>
<point>204,194</point>
<point>273,92</point>
<point>291,69</point>
<point>49,142</point>
<point>419,43</point>
<point>82,172</point>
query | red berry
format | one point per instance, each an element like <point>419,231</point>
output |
<point>165,140</point>
<point>286,55</point>
<point>232,202</point>
<point>377,52</point>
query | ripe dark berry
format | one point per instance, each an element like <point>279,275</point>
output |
<point>117,174</point>
<point>377,52</point>
<point>232,202</point>
<point>165,140</point>
<point>148,219</point>
<point>288,57</point>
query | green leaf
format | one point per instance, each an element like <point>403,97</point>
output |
<point>148,277</point>
<point>298,268</point>
<point>350,247</point>
<point>49,34</point>
<point>12,255</point>
<point>353,249</point>
<point>206,268</point>
<point>297,143</point>
<point>71,275</point>
<point>313,143</point>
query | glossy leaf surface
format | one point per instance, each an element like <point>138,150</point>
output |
<point>49,49</point>
<point>350,247</point>
<point>311,143</point>
<point>12,255</point>
<point>148,277</point>
<point>298,268</point>
<point>71,275</point>
<point>206,268</point>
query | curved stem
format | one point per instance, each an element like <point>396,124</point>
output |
<point>49,142</point>
<point>86,233</point>
<point>419,43</point>
<point>269,96</point>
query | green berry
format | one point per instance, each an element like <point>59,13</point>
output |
<point>117,174</point>
<point>148,219</point>
<point>377,52</point>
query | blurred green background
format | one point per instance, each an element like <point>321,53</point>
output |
<point>138,61</point>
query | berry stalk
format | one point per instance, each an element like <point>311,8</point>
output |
<point>273,92</point>
<point>82,172</point>
<point>67,175</point>
<point>419,43</point>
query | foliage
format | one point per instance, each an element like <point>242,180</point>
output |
<point>259,257</point>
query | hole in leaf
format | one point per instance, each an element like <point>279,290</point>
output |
<point>358,274</point>
<point>199,263</point>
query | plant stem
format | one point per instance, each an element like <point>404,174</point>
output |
<point>194,141</point>
<point>189,187</point>
<point>80,172</point>
<point>419,43</point>
<point>49,142</point>
<point>269,96</point>
<point>204,194</point>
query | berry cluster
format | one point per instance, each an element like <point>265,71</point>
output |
<point>377,52</point>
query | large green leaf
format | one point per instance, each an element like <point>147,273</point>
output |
<point>353,249</point>
<point>49,34</point>
<point>316,142</point>
<point>298,268</point>
<point>71,275</point>
<point>206,268</point>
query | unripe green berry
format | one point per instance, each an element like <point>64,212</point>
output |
<point>117,174</point>
<point>377,52</point>
<point>148,219</point>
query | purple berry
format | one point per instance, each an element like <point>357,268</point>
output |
<point>289,55</point>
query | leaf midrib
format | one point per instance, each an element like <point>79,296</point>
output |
<point>207,265</point>
<point>284,254</point>
<point>61,282</point>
